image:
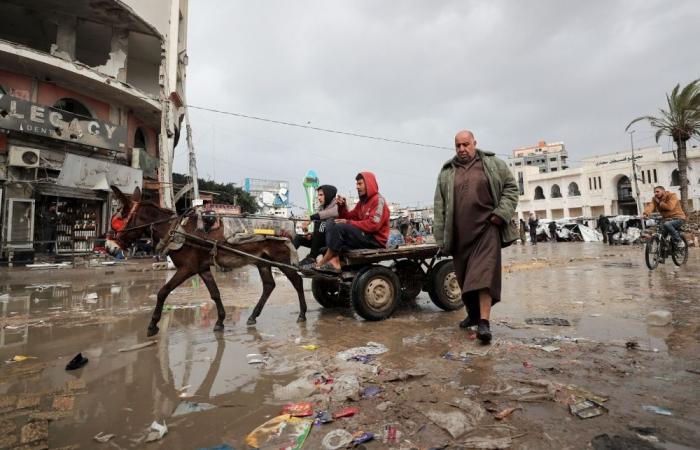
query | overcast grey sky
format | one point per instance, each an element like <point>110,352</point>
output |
<point>514,72</point>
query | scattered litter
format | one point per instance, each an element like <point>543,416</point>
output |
<point>138,346</point>
<point>391,435</point>
<point>453,357</point>
<point>400,375</point>
<point>218,447</point>
<point>157,432</point>
<point>488,443</point>
<point>548,321</point>
<point>283,431</point>
<point>323,417</point>
<point>300,388</point>
<point>256,358</point>
<point>454,422</point>
<point>659,318</point>
<point>475,349</point>
<point>345,387</point>
<point>364,359</point>
<point>372,348</point>
<point>336,439</point>
<point>103,438</point>
<point>301,409</point>
<point>310,347</point>
<point>346,412</point>
<point>587,409</point>
<point>370,391</point>
<point>191,407</point>
<point>361,437</point>
<point>657,410</point>
<point>506,412</point>
<point>77,362</point>
<point>549,348</point>
<point>19,358</point>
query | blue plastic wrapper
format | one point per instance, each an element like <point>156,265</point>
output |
<point>362,438</point>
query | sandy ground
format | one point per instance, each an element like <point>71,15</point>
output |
<point>608,354</point>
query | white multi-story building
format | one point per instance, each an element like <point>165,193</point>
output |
<point>546,157</point>
<point>604,184</point>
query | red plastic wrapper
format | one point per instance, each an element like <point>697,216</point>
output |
<point>302,409</point>
<point>346,412</point>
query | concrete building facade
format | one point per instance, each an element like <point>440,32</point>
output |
<point>546,157</point>
<point>604,184</point>
<point>91,95</point>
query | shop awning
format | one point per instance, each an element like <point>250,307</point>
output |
<point>55,190</point>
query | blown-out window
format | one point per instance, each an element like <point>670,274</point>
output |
<point>73,106</point>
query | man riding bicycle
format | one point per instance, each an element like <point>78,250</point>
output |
<point>668,205</point>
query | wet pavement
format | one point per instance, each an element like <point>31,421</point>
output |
<point>607,353</point>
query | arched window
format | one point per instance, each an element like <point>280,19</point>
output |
<point>140,139</point>
<point>556,191</point>
<point>573,190</point>
<point>539,193</point>
<point>72,106</point>
<point>624,189</point>
<point>675,178</point>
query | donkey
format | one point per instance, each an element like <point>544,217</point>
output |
<point>195,258</point>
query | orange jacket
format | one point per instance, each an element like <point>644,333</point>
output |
<point>669,207</point>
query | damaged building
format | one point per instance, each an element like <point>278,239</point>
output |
<point>91,95</point>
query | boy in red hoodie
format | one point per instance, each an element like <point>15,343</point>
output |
<point>366,226</point>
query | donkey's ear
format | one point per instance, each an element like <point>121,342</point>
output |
<point>126,204</point>
<point>136,196</point>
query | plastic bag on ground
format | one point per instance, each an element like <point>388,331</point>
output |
<point>372,348</point>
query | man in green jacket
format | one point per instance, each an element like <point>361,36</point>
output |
<point>475,199</point>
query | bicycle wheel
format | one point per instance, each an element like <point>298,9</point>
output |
<point>651,252</point>
<point>679,255</point>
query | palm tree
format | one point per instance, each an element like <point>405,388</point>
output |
<point>681,121</point>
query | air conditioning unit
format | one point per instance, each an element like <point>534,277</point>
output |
<point>24,157</point>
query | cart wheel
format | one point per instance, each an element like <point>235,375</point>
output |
<point>328,293</point>
<point>375,293</point>
<point>444,290</point>
<point>411,277</point>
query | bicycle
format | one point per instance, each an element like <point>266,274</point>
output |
<point>661,245</point>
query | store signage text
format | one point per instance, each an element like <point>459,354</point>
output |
<point>20,115</point>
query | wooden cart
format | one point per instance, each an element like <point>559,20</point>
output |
<point>375,288</point>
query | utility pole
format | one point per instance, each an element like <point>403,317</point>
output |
<point>636,182</point>
<point>193,160</point>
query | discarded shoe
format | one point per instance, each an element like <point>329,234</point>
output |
<point>468,322</point>
<point>77,362</point>
<point>483,331</point>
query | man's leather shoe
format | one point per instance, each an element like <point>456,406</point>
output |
<point>468,322</point>
<point>483,331</point>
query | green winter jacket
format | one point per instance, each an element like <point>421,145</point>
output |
<point>504,190</point>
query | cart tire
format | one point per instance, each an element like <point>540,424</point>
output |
<point>411,277</point>
<point>328,293</point>
<point>375,293</point>
<point>444,289</point>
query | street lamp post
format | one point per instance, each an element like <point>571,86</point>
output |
<point>636,182</point>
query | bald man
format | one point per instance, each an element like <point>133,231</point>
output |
<point>475,199</point>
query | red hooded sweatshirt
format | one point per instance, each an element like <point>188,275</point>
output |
<point>371,214</point>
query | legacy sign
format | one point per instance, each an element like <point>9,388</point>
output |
<point>20,115</point>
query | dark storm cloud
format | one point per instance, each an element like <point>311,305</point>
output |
<point>514,72</point>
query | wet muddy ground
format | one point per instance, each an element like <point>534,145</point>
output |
<point>608,354</point>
